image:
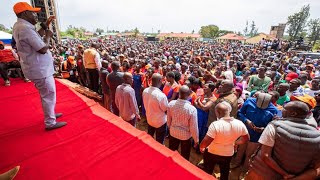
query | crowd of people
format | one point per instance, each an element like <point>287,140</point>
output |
<point>242,106</point>
<point>233,103</point>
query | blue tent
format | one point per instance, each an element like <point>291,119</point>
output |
<point>5,37</point>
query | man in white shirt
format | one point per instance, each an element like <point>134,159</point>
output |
<point>156,104</point>
<point>36,60</point>
<point>222,135</point>
<point>126,102</point>
<point>182,123</point>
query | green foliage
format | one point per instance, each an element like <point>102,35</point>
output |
<point>99,31</point>
<point>314,30</point>
<point>3,28</point>
<point>253,29</point>
<point>73,32</point>
<point>136,32</point>
<point>297,22</point>
<point>316,46</point>
<point>210,31</point>
<point>246,29</point>
<point>224,32</point>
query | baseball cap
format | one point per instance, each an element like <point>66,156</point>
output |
<point>309,100</point>
<point>24,6</point>
<point>291,76</point>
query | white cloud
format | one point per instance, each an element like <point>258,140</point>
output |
<point>170,15</point>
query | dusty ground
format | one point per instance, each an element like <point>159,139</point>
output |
<point>142,125</point>
<point>194,157</point>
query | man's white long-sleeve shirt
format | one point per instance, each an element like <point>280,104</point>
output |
<point>156,104</point>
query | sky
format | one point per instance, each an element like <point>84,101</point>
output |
<point>169,15</point>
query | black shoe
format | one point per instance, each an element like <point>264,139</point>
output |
<point>58,115</point>
<point>56,126</point>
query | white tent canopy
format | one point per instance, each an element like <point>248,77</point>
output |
<point>4,35</point>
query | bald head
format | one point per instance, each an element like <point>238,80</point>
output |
<point>127,77</point>
<point>223,109</point>
<point>296,109</point>
<point>156,80</point>
<point>225,86</point>
<point>184,92</point>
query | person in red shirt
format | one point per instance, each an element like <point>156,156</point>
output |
<point>8,59</point>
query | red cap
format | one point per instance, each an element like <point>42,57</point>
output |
<point>291,76</point>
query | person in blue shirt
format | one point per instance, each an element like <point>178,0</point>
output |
<point>255,113</point>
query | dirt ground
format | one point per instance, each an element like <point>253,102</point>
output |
<point>195,158</point>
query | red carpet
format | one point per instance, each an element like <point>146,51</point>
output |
<point>94,145</point>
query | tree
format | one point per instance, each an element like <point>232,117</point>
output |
<point>74,31</point>
<point>192,32</point>
<point>210,31</point>
<point>159,31</point>
<point>314,30</point>
<point>297,22</point>
<point>136,32</point>
<point>5,29</point>
<point>253,29</point>
<point>246,29</point>
<point>224,32</point>
<point>99,31</point>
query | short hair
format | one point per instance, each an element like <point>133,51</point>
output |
<point>275,94</point>
<point>170,74</point>
<point>115,65</point>
<point>263,67</point>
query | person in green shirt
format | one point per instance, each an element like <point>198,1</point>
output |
<point>260,81</point>
<point>282,89</point>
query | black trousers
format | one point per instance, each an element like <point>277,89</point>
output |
<point>185,146</point>
<point>160,132</point>
<point>93,75</point>
<point>210,160</point>
<point>5,66</point>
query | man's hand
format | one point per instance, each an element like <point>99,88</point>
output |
<point>288,176</point>
<point>275,117</point>
<point>49,33</point>
<point>49,20</point>
<point>250,124</point>
<point>138,117</point>
<point>195,146</point>
<point>259,129</point>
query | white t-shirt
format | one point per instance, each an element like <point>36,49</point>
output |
<point>268,136</point>
<point>311,92</point>
<point>224,134</point>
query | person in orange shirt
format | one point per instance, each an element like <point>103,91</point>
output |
<point>147,79</point>
<point>309,69</point>
<point>171,88</point>
<point>157,68</point>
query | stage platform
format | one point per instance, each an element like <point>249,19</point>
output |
<point>94,145</point>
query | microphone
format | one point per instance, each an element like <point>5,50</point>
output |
<point>44,26</point>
